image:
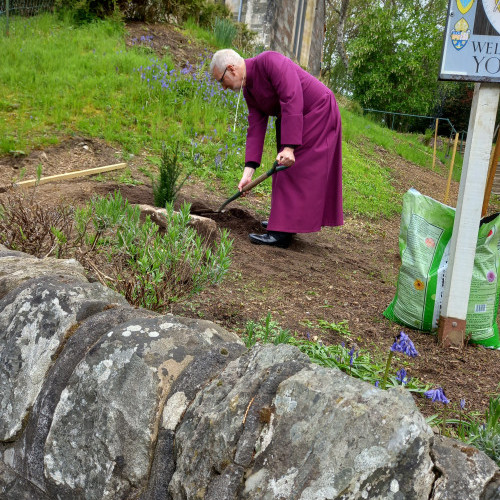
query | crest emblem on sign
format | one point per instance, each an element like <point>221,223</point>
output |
<point>465,5</point>
<point>492,10</point>
<point>460,35</point>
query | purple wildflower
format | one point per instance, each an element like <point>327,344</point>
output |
<point>401,376</point>
<point>437,395</point>
<point>376,383</point>
<point>351,356</point>
<point>405,345</point>
<point>462,404</point>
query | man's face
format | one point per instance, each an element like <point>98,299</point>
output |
<point>230,77</point>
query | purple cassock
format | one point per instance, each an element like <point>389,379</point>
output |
<point>308,195</point>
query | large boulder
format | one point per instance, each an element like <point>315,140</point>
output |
<point>114,404</point>
<point>34,325</point>
<point>274,426</point>
<point>17,267</point>
<point>100,400</point>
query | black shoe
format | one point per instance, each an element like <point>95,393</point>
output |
<point>264,224</point>
<point>272,238</point>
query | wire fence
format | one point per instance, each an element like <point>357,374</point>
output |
<point>24,7</point>
<point>404,122</point>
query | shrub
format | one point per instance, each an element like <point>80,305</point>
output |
<point>203,11</point>
<point>107,236</point>
<point>83,11</point>
<point>31,227</point>
<point>167,185</point>
<point>151,269</point>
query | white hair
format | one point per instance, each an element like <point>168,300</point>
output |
<point>222,58</point>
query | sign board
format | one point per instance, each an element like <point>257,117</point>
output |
<point>471,49</point>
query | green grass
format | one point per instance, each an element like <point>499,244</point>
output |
<point>58,80</point>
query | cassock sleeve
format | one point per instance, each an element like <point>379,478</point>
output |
<point>256,133</point>
<point>285,80</point>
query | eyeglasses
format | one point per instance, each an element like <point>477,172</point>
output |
<point>223,74</point>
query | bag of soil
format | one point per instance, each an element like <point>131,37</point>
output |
<point>424,242</point>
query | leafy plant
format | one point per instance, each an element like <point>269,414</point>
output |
<point>225,32</point>
<point>356,363</point>
<point>151,269</point>
<point>486,435</point>
<point>167,184</point>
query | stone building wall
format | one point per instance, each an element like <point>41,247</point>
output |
<point>293,27</point>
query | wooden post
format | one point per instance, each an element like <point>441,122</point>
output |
<point>451,330</point>
<point>435,144</point>
<point>447,192</point>
<point>70,175</point>
<point>491,175</point>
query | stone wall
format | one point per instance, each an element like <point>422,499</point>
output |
<point>101,400</point>
<point>278,24</point>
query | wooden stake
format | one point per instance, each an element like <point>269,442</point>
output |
<point>491,175</point>
<point>451,170</point>
<point>70,175</point>
<point>435,144</point>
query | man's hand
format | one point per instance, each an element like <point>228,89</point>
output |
<point>286,157</point>
<point>246,178</point>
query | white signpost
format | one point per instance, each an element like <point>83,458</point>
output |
<point>471,52</point>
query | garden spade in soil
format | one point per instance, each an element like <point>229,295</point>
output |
<point>248,187</point>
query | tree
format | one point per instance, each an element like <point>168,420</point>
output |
<point>392,51</point>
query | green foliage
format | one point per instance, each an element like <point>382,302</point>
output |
<point>357,363</point>
<point>204,12</point>
<point>225,32</point>
<point>486,435</point>
<point>395,56</point>
<point>151,269</point>
<point>167,185</point>
<point>482,431</point>
<point>84,11</point>
<point>392,49</point>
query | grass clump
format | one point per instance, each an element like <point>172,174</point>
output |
<point>225,32</point>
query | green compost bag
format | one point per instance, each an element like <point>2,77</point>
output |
<point>424,245</point>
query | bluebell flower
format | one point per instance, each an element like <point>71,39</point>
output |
<point>405,345</point>
<point>351,356</point>
<point>462,404</point>
<point>376,383</point>
<point>437,395</point>
<point>401,376</point>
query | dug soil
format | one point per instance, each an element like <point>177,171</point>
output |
<point>339,274</point>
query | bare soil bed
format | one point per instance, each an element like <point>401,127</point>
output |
<point>338,274</point>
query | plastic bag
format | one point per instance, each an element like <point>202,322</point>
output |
<point>424,243</point>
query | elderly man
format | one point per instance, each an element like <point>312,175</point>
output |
<point>308,195</point>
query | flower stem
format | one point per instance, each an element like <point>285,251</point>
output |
<point>444,420</point>
<point>388,364</point>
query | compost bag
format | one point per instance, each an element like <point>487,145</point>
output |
<point>424,244</point>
